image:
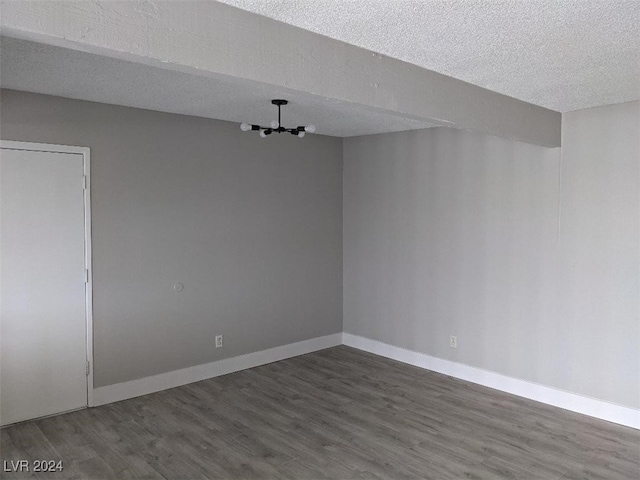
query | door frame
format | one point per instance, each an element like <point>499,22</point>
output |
<point>85,152</point>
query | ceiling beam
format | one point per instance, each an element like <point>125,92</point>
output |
<point>210,38</point>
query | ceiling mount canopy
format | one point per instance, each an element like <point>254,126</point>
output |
<point>276,125</point>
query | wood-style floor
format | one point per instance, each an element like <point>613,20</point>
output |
<point>338,413</point>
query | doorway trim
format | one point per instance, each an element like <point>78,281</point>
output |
<point>88,289</point>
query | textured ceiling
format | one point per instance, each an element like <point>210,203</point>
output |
<point>560,54</point>
<point>35,67</point>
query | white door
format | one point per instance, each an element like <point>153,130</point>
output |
<point>43,323</point>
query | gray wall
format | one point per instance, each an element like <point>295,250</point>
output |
<point>529,255</point>
<point>252,227</point>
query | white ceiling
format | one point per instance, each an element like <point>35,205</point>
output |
<point>560,54</point>
<point>41,68</point>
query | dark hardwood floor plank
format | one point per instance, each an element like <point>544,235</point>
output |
<point>337,413</point>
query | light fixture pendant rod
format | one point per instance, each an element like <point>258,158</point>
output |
<point>279,120</point>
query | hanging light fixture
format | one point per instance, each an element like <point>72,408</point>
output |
<point>276,125</point>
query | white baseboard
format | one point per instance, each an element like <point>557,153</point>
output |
<point>558,398</point>
<point>551,396</point>
<point>163,381</point>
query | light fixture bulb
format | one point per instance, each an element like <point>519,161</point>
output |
<point>245,127</point>
<point>301,135</point>
<point>274,124</point>
<point>262,134</point>
<point>310,128</point>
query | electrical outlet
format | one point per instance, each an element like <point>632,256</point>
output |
<point>453,341</point>
<point>218,341</point>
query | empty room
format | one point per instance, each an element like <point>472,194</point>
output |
<point>328,239</point>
